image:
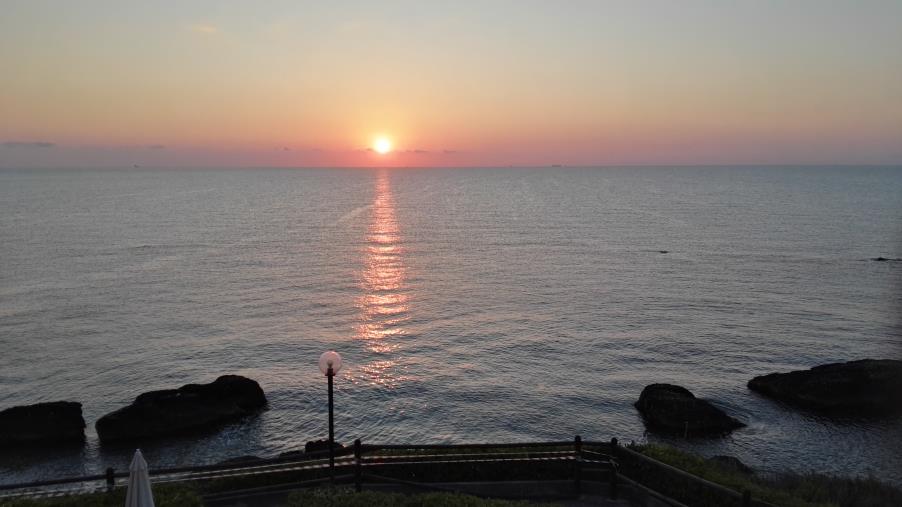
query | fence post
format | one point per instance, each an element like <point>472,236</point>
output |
<point>357,466</point>
<point>110,478</point>
<point>578,471</point>
<point>746,498</point>
<point>613,476</point>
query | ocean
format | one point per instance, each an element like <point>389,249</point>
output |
<point>470,305</point>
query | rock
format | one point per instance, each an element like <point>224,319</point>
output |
<point>42,423</point>
<point>297,454</point>
<point>663,251</point>
<point>885,259</point>
<point>239,460</point>
<point>865,387</point>
<point>674,409</point>
<point>731,463</point>
<point>190,408</point>
<point>321,445</point>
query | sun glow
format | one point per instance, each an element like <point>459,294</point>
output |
<point>382,145</point>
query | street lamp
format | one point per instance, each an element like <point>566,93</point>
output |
<point>329,364</point>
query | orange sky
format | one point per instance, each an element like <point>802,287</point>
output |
<point>483,83</point>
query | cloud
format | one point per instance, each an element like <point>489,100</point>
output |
<point>203,28</point>
<point>156,147</point>
<point>450,152</point>
<point>31,144</point>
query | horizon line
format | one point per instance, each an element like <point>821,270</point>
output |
<point>512,166</point>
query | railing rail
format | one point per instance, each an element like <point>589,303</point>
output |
<point>370,456</point>
<point>645,470</point>
<point>577,457</point>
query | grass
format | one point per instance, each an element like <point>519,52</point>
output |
<point>164,495</point>
<point>842,491</point>
<point>348,498</point>
<point>785,490</point>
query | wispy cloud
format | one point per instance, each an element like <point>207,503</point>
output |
<point>204,28</point>
<point>156,147</point>
<point>28,144</point>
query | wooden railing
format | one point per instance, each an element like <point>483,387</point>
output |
<point>404,464</point>
<point>679,485</point>
<point>426,467</point>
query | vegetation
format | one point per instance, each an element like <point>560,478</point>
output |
<point>343,497</point>
<point>842,491</point>
<point>164,495</point>
<point>785,490</point>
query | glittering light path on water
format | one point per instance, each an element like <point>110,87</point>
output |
<point>384,303</point>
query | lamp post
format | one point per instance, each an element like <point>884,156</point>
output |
<point>329,364</point>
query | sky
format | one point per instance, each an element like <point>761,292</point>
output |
<point>463,83</point>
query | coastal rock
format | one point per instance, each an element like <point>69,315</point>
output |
<point>239,460</point>
<point>865,387</point>
<point>674,409</point>
<point>297,454</point>
<point>885,259</point>
<point>321,445</point>
<point>42,423</point>
<point>190,408</point>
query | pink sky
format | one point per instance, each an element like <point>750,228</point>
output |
<point>474,84</point>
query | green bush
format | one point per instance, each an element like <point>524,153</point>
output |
<point>785,490</point>
<point>164,495</point>
<point>842,491</point>
<point>342,497</point>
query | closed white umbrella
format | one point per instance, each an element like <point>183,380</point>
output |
<point>139,494</point>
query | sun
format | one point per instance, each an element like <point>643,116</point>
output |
<point>382,145</point>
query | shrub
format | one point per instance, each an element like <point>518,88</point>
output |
<point>785,490</point>
<point>164,495</point>
<point>342,497</point>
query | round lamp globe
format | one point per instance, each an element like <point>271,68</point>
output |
<point>330,359</point>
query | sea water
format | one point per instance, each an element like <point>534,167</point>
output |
<point>470,305</point>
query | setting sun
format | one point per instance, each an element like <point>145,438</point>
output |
<point>382,145</point>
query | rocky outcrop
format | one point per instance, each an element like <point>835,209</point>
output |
<point>321,445</point>
<point>865,387</point>
<point>239,460</point>
<point>42,423</point>
<point>296,454</point>
<point>674,409</point>
<point>885,259</point>
<point>194,407</point>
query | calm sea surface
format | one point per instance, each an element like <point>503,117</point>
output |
<point>469,305</point>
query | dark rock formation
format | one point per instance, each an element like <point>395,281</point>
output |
<point>42,423</point>
<point>296,454</point>
<point>321,445</point>
<point>865,387</point>
<point>674,409</point>
<point>731,463</point>
<point>885,259</point>
<point>239,460</point>
<point>190,408</point>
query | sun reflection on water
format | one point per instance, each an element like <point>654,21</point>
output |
<point>384,303</point>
